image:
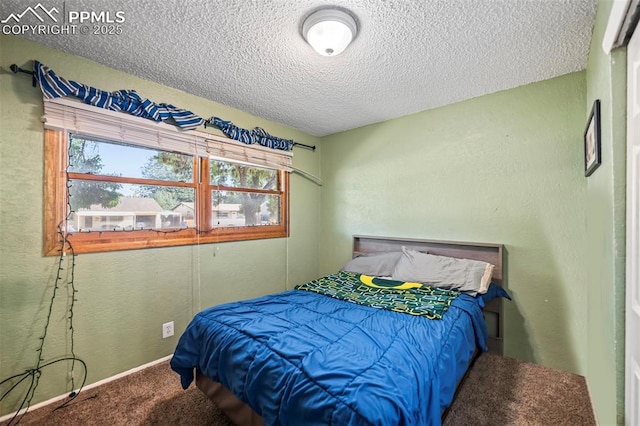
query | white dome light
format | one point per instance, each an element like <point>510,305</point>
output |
<point>329,31</point>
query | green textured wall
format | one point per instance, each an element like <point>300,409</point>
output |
<point>124,297</point>
<point>506,168</point>
<point>503,168</point>
<point>605,206</point>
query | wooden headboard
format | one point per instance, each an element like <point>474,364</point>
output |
<point>491,253</point>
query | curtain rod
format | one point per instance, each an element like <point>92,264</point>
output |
<point>16,69</point>
<point>313,148</point>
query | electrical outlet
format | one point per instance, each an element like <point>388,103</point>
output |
<point>167,329</point>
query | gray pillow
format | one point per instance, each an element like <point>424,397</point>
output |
<point>374,264</point>
<point>468,276</point>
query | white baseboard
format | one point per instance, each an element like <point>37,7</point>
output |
<point>87,387</point>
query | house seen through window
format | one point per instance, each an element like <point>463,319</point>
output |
<point>158,183</point>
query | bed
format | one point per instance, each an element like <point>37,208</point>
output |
<point>309,356</point>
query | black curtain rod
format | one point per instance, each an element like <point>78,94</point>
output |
<point>16,69</point>
<point>313,148</point>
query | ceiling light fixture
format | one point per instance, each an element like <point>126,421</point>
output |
<point>329,31</point>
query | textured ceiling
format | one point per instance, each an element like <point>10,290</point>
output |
<point>408,56</point>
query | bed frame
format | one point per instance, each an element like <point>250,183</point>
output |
<point>241,414</point>
<point>491,253</point>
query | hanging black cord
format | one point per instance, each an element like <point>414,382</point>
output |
<point>35,373</point>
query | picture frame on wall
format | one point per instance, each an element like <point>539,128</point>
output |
<point>592,150</point>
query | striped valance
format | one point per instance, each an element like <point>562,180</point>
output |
<point>128,101</point>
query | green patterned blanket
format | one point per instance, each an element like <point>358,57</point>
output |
<point>409,298</point>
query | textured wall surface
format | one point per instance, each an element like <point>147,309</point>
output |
<point>605,206</point>
<point>504,168</point>
<point>124,297</point>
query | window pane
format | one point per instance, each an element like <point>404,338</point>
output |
<point>235,208</point>
<point>113,159</point>
<point>107,206</point>
<point>238,176</point>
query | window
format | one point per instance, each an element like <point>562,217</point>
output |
<point>243,196</point>
<point>114,187</point>
<point>117,195</point>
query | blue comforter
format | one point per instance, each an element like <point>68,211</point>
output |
<point>301,358</point>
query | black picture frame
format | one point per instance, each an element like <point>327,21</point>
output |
<point>592,134</point>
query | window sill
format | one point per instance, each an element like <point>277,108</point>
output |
<point>94,242</point>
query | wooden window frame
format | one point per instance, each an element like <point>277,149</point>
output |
<point>56,211</point>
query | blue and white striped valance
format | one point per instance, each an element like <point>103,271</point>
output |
<point>257,135</point>
<point>130,102</point>
<point>127,101</point>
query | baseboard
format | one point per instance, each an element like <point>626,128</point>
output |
<point>87,387</point>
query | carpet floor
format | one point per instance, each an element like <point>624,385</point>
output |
<point>497,391</point>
